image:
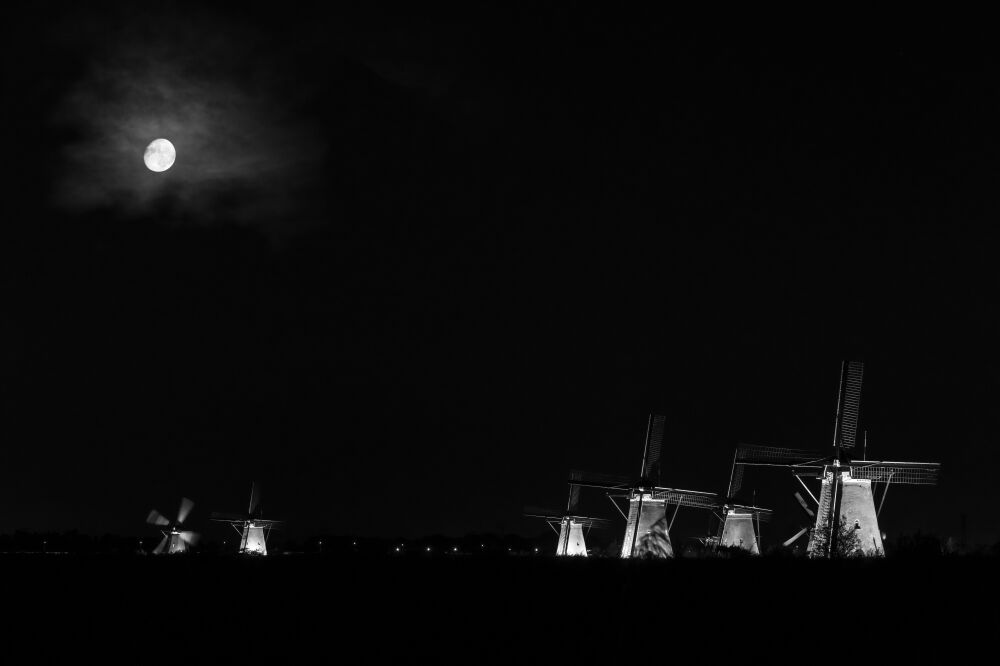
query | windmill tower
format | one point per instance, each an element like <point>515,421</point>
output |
<point>175,540</point>
<point>843,520</point>
<point>252,528</point>
<point>572,527</point>
<point>739,524</point>
<point>649,520</point>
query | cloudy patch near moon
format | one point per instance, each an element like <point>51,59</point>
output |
<point>247,156</point>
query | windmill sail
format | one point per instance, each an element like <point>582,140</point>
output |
<point>735,480</point>
<point>574,499</point>
<point>910,473</point>
<point>751,454</point>
<point>849,403</point>
<point>654,445</point>
<point>770,456</point>
<point>254,498</point>
<point>574,492</point>
<point>600,481</point>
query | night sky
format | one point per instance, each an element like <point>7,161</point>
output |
<point>409,269</point>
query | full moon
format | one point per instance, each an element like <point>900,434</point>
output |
<point>160,155</point>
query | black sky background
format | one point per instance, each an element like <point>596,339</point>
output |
<point>515,236</point>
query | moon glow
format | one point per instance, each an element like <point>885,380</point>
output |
<point>160,155</point>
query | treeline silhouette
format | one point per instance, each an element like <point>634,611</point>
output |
<point>915,545</point>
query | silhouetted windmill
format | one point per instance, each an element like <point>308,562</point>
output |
<point>175,540</point>
<point>647,525</point>
<point>846,520</point>
<point>252,528</point>
<point>573,527</point>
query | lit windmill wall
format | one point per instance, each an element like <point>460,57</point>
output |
<point>857,512</point>
<point>253,541</point>
<point>651,537</point>
<point>571,540</point>
<point>738,532</point>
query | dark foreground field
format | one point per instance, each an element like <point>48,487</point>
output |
<point>289,609</point>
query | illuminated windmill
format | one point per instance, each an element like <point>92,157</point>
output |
<point>175,540</point>
<point>648,522</point>
<point>572,528</point>
<point>739,524</point>
<point>252,528</point>
<point>843,520</point>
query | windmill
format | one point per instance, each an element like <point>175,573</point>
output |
<point>843,519</point>
<point>573,527</point>
<point>252,528</point>
<point>647,524</point>
<point>739,524</point>
<point>175,540</point>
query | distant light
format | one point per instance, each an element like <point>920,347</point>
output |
<point>454,549</point>
<point>482,546</point>
<point>428,549</point>
<point>397,549</point>
<point>536,550</point>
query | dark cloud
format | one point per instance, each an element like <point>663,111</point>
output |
<point>245,151</point>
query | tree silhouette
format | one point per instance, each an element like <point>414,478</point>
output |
<point>849,542</point>
<point>656,544</point>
